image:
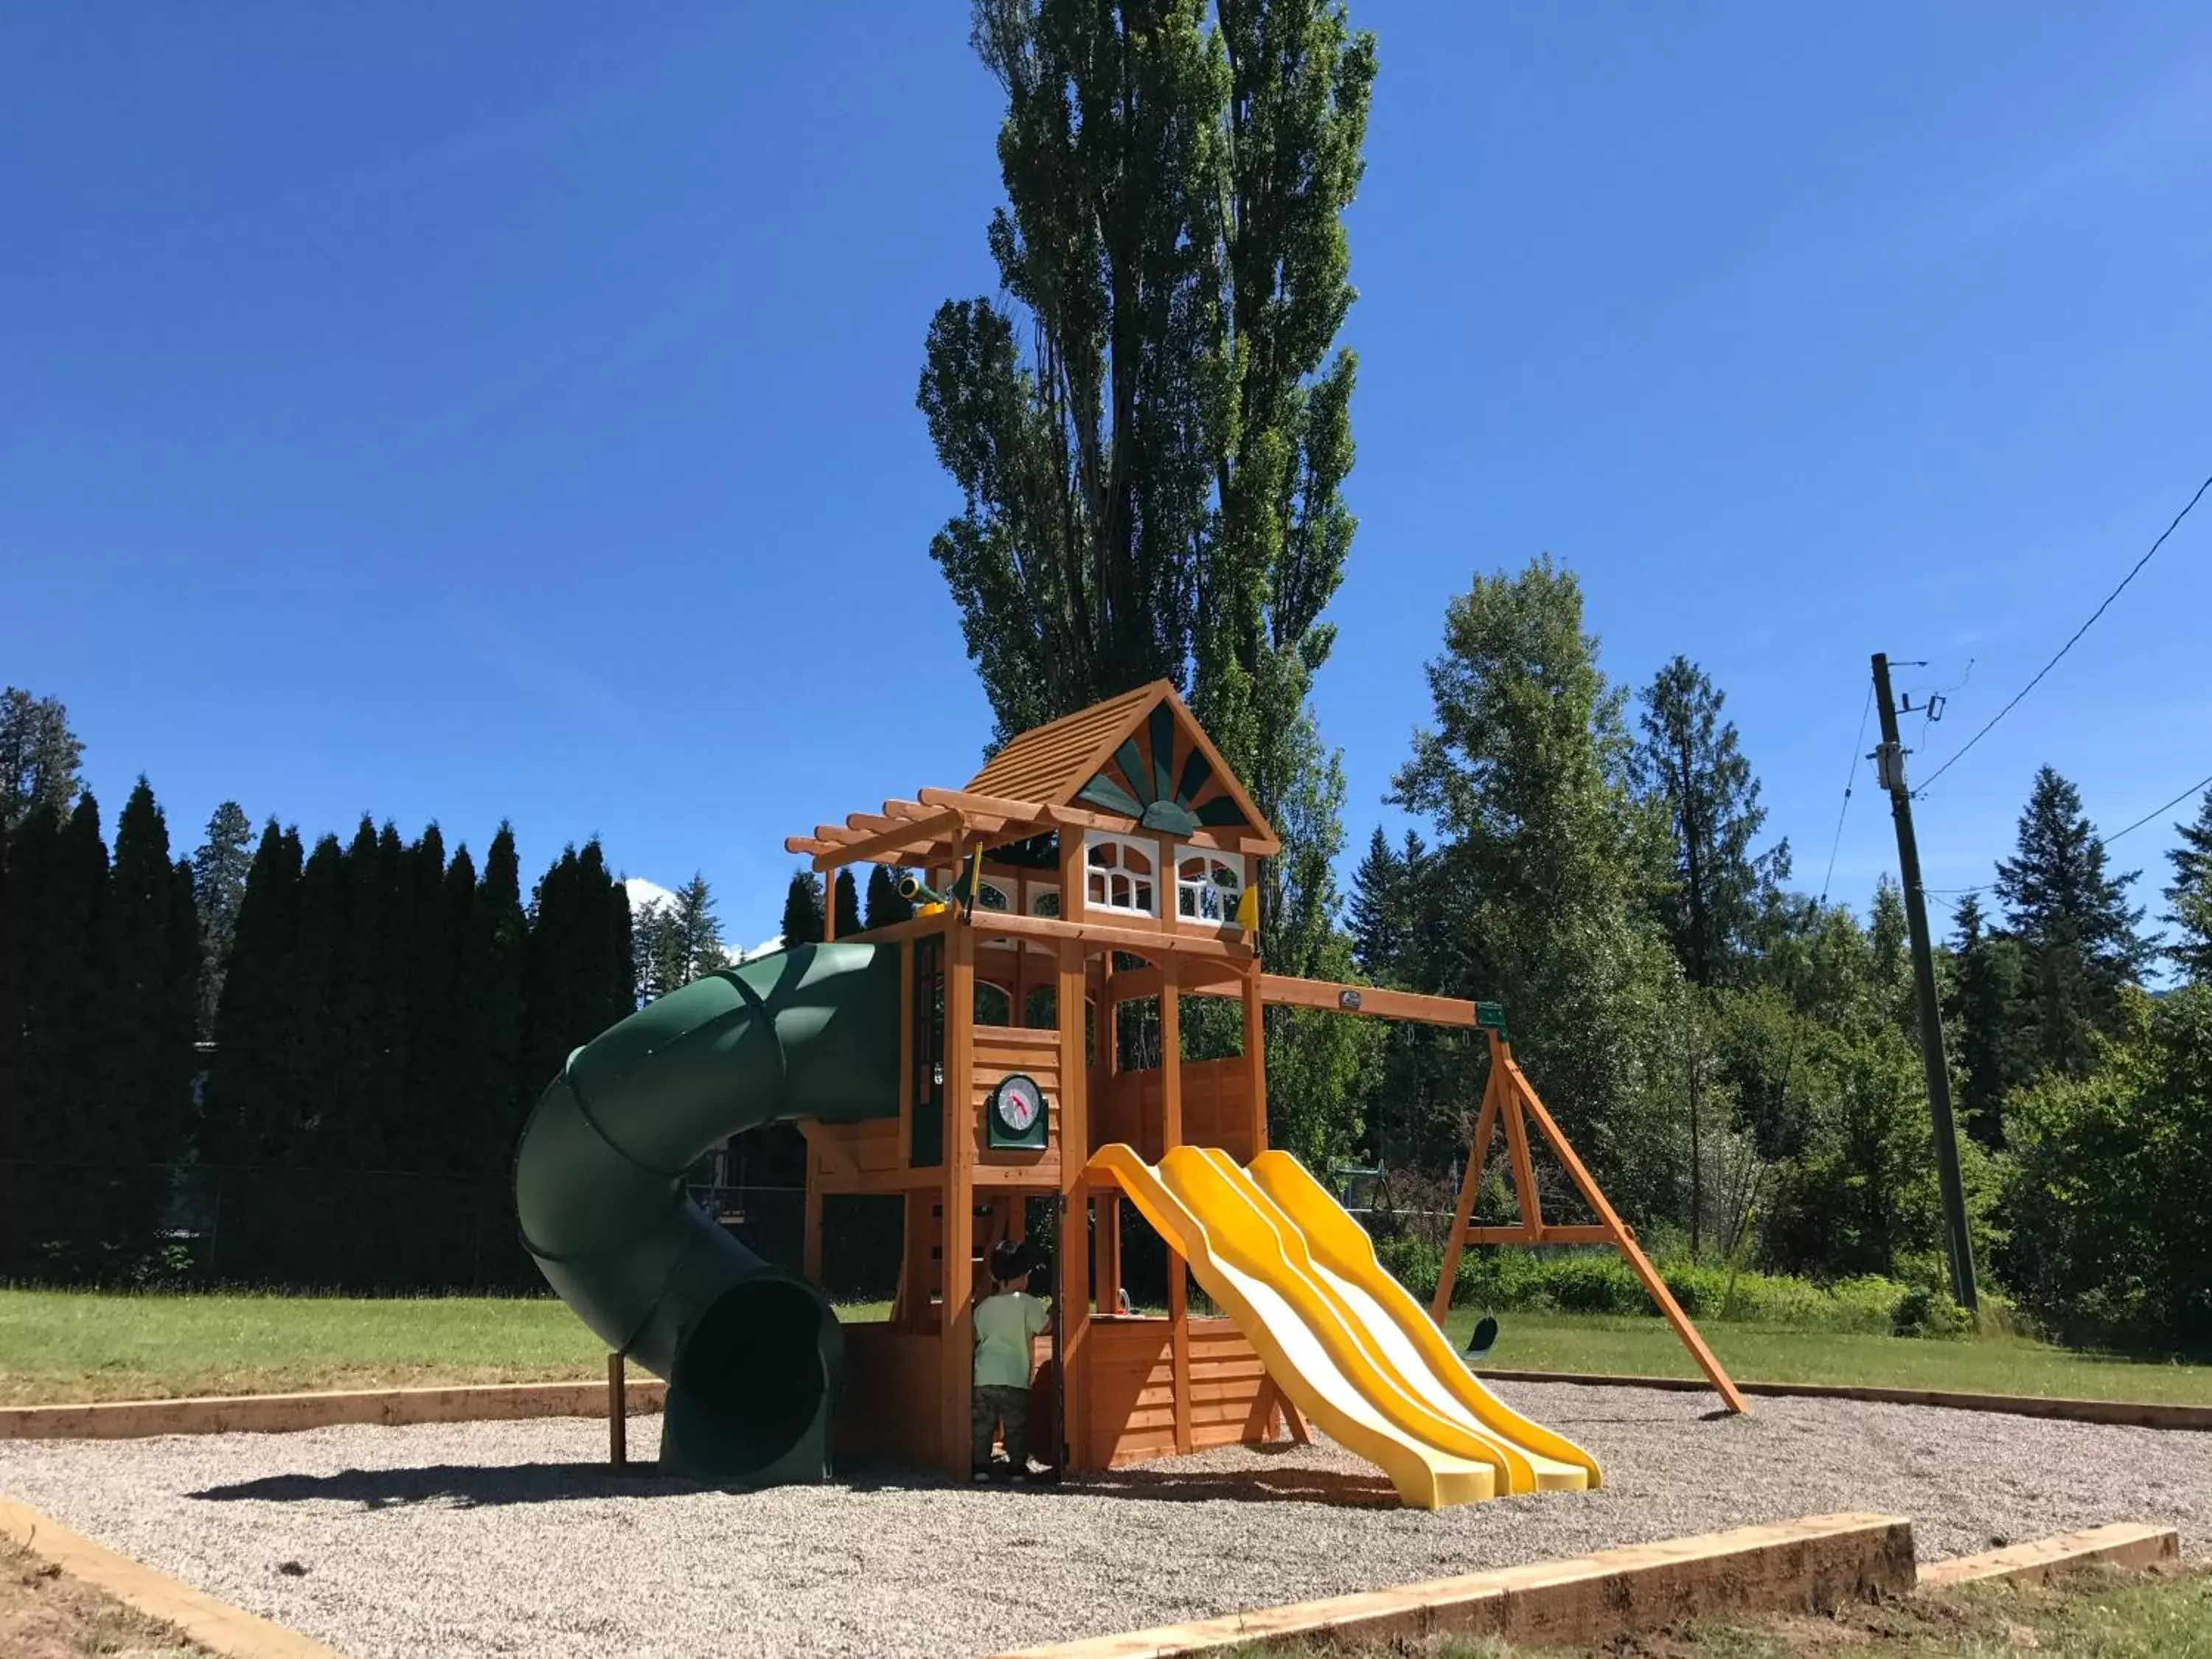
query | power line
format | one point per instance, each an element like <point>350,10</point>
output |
<point>2100,842</point>
<point>1960,754</point>
<point>1789,989</point>
<point>1843,811</point>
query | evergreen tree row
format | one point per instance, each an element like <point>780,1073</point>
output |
<point>276,1065</point>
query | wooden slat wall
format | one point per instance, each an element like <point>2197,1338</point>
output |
<point>1000,1050</point>
<point>892,1408</point>
<point>1217,1096</point>
<point>1132,1389</point>
<point>874,1149</point>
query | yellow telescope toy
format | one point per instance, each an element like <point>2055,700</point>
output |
<point>926,899</point>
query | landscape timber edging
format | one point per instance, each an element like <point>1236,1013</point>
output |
<point>213,1623</point>
<point>1813,1565</point>
<point>285,1414</point>
<point>2124,1544</point>
<point>2126,1413</point>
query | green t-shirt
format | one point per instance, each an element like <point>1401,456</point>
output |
<point>1003,1325</point>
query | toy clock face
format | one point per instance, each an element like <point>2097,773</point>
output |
<point>1018,1112</point>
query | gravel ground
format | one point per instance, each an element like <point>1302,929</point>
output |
<point>507,1538</point>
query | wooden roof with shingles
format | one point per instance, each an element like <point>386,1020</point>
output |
<point>1050,763</point>
<point>1054,763</point>
<point>1057,776</point>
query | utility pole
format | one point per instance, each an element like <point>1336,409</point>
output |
<point>1889,762</point>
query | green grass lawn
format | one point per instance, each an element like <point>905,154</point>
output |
<point>1626,1344</point>
<point>71,1345</point>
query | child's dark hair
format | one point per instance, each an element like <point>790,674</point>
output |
<point>1012,1263</point>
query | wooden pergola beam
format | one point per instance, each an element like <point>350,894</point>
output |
<point>909,838</point>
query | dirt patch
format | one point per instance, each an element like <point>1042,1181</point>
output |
<point>46,1615</point>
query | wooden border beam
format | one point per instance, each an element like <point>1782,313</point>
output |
<point>1812,1565</point>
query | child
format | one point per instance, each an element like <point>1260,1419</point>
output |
<point>1006,1319</point>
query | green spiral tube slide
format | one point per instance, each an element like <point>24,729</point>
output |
<point>752,1354</point>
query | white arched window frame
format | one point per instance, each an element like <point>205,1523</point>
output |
<point>1121,874</point>
<point>1043,900</point>
<point>991,894</point>
<point>1208,885</point>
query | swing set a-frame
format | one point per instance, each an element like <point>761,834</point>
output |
<point>1509,1102</point>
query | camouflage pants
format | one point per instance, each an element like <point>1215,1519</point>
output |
<point>991,1406</point>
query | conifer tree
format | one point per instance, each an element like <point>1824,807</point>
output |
<point>149,1009</point>
<point>802,910</point>
<point>695,934</point>
<point>2078,936</point>
<point>350,1133</point>
<point>848,905</point>
<point>219,871</point>
<point>11,1020</point>
<point>489,1043</point>
<point>39,757</point>
<point>1689,761</point>
<point>1985,974</point>
<point>2191,895</point>
<point>32,1109</point>
<point>65,1035</point>
<point>323,994</point>
<point>431,990</point>
<point>1379,911</point>
<point>610,988</point>
<point>252,1087</point>
<point>886,906</point>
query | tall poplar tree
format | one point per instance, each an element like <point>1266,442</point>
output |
<point>1153,488</point>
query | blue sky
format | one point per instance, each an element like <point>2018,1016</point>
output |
<point>460,412</point>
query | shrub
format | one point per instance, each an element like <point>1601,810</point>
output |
<point>1924,1312</point>
<point>1414,1263</point>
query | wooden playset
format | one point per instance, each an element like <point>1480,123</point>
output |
<point>1106,859</point>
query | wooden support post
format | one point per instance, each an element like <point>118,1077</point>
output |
<point>956,1314</point>
<point>811,1244</point>
<point>1170,1057</point>
<point>1074,1289</point>
<point>912,1305</point>
<point>618,1412</point>
<point>1107,1202</point>
<point>1525,1097</point>
<point>830,906</point>
<point>1255,1055</point>
<point>1485,1125</point>
<point>1179,1346</point>
<point>1516,1148</point>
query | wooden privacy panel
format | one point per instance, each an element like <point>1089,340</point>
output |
<point>1217,1109</point>
<point>1132,1389</point>
<point>890,1408</point>
<point>999,1050</point>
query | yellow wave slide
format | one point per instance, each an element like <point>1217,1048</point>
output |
<point>1341,1338</point>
